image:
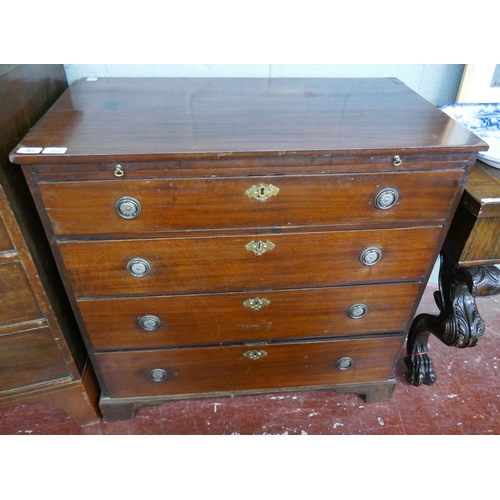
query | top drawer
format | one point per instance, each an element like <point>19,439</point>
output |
<point>142,206</point>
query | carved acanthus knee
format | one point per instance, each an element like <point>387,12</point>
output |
<point>463,326</point>
<point>485,280</point>
<point>458,324</point>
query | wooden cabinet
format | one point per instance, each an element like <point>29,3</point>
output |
<point>42,356</point>
<point>220,236</point>
<point>469,269</point>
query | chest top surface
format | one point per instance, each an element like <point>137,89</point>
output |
<point>180,118</point>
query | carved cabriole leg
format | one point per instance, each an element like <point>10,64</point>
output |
<point>458,323</point>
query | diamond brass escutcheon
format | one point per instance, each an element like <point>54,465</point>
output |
<point>260,247</point>
<point>255,354</point>
<point>256,304</point>
<point>262,192</point>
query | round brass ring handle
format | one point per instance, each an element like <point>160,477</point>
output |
<point>128,208</point>
<point>386,198</point>
<point>138,268</point>
<point>149,323</point>
<point>158,375</point>
<point>396,160</point>
<point>357,311</point>
<point>344,363</point>
<point>370,256</point>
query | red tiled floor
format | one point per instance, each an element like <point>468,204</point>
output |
<point>464,400</point>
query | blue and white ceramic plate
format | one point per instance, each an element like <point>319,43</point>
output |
<point>482,120</point>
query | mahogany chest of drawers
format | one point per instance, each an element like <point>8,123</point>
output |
<point>237,236</point>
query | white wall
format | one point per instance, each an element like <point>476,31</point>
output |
<point>438,83</point>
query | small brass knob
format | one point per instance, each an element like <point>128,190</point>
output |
<point>158,375</point>
<point>118,171</point>
<point>128,208</point>
<point>357,311</point>
<point>344,363</point>
<point>149,323</point>
<point>370,256</point>
<point>386,198</point>
<point>138,268</point>
<point>396,160</point>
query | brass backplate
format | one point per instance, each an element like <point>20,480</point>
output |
<point>255,354</point>
<point>262,192</point>
<point>256,304</point>
<point>260,247</point>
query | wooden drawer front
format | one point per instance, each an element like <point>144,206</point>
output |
<point>211,319</point>
<point>223,264</point>
<point>17,302</point>
<point>261,166</point>
<point>483,243</point>
<point>5,242</point>
<point>227,369</point>
<point>184,204</point>
<point>30,358</point>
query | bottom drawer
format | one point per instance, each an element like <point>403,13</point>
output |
<point>245,368</point>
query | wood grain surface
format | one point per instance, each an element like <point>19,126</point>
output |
<point>216,318</point>
<point>17,299</point>
<point>29,358</point>
<point>162,118</point>
<point>85,208</point>
<point>223,264</point>
<point>188,150</point>
<point>211,369</point>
